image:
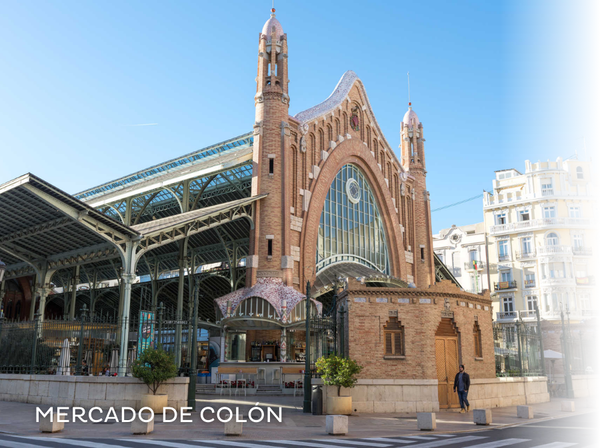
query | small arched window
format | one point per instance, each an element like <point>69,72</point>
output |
<point>552,239</point>
<point>579,172</point>
<point>394,337</point>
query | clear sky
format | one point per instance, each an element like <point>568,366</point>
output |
<point>91,91</point>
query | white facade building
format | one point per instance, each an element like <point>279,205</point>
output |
<point>540,239</point>
<point>462,250</point>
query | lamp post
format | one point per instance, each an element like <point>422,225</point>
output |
<point>2,270</point>
<point>539,328</point>
<point>307,379</point>
<point>194,352</point>
<point>567,357</point>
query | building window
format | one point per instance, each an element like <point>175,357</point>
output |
<point>394,337</point>
<point>579,172</point>
<point>526,245</point>
<point>574,212</point>
<point>549,212</point>
<point>501,218</point>
<point>532,302</point>
<point>577,242</point>
<point>505,276</point>
<point>556,270</point>
<point>524,215</point>
<point>271,166</point>
<point>422,254</point>
<point>507,305</point>
<point>547,187</point>
<point>529,280</point>
<point>503,252</point>
<point>552,239</point>
<point>477,341</point>
<point>270,248</point>
<point>351,227</point>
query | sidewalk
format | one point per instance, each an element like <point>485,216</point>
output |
<point>19,418</point>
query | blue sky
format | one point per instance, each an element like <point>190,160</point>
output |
<point>488,80</point>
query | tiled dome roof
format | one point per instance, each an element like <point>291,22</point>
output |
<point>273,22</point>
<point>410,118</point>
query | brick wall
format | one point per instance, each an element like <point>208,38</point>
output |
<point>366,317</point>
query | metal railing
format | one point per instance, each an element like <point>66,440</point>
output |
<point>480,265</point>
<point>524,255</point>
<point>526,314</point>
<point>498,286</point>
<point>530,283</point>
<point>504,315</point>
<point>518,350</point>
<point>555,249</point>
<point>504,257</point>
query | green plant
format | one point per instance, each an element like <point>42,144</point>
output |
<point>338,371</point>
<point>154,367</point>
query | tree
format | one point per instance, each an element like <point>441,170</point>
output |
<point>154,367</point>
<point>338,371</point>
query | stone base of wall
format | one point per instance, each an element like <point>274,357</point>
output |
<point>499,392</point>
<point>410,396</point>
<point>87,391</point>
<point>585,385</point>
<point>388,396</point>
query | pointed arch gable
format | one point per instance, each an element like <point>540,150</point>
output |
<point>348,81</point>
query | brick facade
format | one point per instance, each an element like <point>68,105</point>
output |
<point>370,308</point>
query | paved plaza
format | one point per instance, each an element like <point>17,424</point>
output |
<point>18,419</point>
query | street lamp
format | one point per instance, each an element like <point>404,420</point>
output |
<point>2,270</point>
<point>567,357</point>
<point>306,408</point>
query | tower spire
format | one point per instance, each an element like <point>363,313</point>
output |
<point>408,76</point>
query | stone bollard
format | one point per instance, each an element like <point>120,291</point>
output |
<point>567,406</point>
<point>524,412</point>
<point>336,425</point>
<point>47,425</point>
<point>145,426</point>
<point>233,428</point>
<point>482,416</point>
<point>426,421</point>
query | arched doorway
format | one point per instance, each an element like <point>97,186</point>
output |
<point>446,360</point>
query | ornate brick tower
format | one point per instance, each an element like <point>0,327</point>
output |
<point>270,255</point>
<point>413,160</point>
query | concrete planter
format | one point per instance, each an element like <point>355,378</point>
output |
<point>339,405</point>
<point>155,402</point>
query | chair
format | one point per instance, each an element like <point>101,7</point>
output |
<point>243,386</point>
<point>276,376</point>
<point>222,385</point>
<point>262,375</point>
<point>298,385</point>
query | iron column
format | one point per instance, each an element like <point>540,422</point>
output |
<point>307,383</point>
<point>194,354</point>
<point>539,328</point>
<point>567,358</point>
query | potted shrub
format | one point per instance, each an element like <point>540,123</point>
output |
<point>154,367</point>
<point>339,372</point>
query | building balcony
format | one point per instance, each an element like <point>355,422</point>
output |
<point>557,281</point>
<point>582,251</point>
<point>501,286</point>
<point>503,257</point>
<point>529,283</point>
<point>527,314</point>
<point>590,280</point>
<point>507,315</point>
<point>525,255</point>
<point>554,250</point>
<point>590,313</point>
<point>480,266</point>
<point>539,224</point>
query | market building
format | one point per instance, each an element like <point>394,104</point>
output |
<point>318,198</point>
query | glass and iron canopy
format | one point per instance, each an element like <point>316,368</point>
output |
<point>351,229</point>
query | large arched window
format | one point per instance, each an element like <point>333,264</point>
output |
<point>351,228</point>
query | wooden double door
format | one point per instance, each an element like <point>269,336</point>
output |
<point>446,359</point>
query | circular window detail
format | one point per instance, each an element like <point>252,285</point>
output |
<point>353,190</point>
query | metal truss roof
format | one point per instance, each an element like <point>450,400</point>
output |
<point>42,224</point>
<point>39,223</point>
<point>442,272</point>
<point>222,155</point>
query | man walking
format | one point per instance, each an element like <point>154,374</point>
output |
<point>462,382</point>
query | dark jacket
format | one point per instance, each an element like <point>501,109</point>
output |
<point>466,380</point>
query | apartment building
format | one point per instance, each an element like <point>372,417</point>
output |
<point>462,250</point>
<point>540,239</point>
